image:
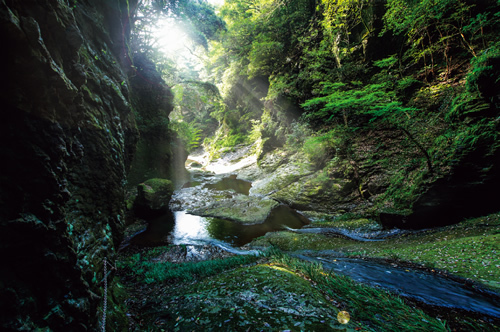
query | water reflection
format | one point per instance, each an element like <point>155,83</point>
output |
<point>190,229</point>
<point>183,228</point>
<point>231,183</point>
<point>156,232</point>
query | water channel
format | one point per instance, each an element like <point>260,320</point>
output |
<point>422,286</point>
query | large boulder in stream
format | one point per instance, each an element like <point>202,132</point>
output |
<point>240,208</point>
<point>225,198</point>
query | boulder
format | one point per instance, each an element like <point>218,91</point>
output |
<point>152,198</point>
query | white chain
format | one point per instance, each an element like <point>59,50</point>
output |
<point>105,307</point>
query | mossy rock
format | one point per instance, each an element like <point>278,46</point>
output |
<point>240,208</point>
<point>195,164</point>
<point>153,197</point>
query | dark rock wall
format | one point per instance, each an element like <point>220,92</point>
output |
<point>160,154</point>
<point>470,190</point>
<point>67,137</point>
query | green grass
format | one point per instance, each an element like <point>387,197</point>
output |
<point>279,293</point>
<point>143,267</point>
<point>469,249</point>
<point>350,223</point>
<point>264,297</point>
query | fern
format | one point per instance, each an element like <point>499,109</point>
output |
<point>377,101</point>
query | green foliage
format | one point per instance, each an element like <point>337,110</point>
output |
<point>299,132</point>
<point>222,140</point>
<point>156,185</point>
<point>406,82</point>
<point>466,104</point>
<point>340,19</point>
<point>435,29</point>
<point>145,269</point>
<point>263,56</point>
<point>483,72</point>
<point>387,62</point>
<point>320,148</point>
<point>189,134</point>
<point>262,35</point>
<point>370,101</point>
<point>404,188</point>
<point>198,105</point>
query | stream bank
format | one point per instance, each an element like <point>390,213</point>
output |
<point>205,287</point>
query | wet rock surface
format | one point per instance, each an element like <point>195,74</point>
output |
<point>66,142</point>
<point>291,179</point>
<point>219,199</point>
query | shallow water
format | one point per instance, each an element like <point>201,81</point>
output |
<point>422,286</point>
<point>231,183</point>
<point>190,229</point>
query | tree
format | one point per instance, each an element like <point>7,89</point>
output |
<point>367,104</point>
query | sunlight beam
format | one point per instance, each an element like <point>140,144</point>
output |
<point>170,36</point>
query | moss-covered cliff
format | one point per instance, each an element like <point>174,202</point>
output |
<point>66,141</point>
<point>394,104</point>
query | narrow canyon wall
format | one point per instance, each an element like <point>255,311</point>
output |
<point>159,152</point>
<point>67,138</point>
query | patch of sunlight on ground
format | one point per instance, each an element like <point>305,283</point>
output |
<point>223,167</point>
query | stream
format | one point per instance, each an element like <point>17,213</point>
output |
<point>218,210</point>
<point>422,286</point>
<point>185,226</point>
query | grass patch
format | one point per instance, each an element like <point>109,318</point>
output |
<point>351,224</point>
<point>475,257</point>
<point>264,297</point>
<point>281,293</point>
<point>469,249</point>
<point>145,267</point>
<point>289,241</point>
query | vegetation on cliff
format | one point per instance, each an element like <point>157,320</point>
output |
<point>393,96</point>
<point>390,97</point>
<point>362,108</point>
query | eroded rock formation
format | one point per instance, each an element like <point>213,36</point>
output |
<point>66,141</point>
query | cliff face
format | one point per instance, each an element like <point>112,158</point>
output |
<point>66,141</point>
<point>159,154</point>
